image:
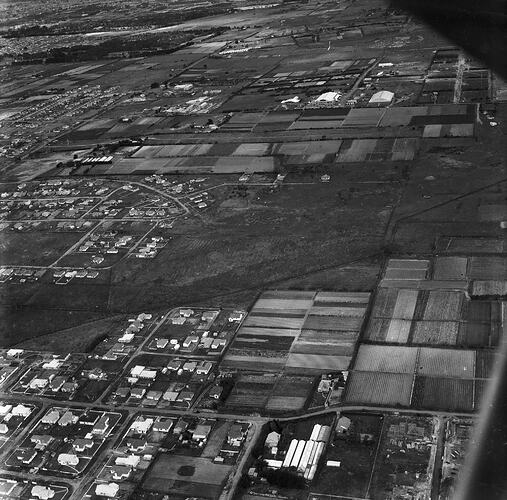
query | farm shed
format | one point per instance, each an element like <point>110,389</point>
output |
<point>381,98</point>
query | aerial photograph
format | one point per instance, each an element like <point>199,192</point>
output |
<point>252,250</point>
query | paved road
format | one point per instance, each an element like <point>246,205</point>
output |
<point>253,436</point>
<point>437,466</point>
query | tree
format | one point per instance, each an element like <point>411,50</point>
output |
<point>244,482</point>
<point>284,479</point>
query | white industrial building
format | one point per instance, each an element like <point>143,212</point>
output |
<point>304,455</point>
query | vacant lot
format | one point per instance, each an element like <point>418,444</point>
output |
<point>277,238</point>
<point>23,323</point>
<point>356,454</point>
<point>34,248</point>
<point>189,476</point>
<point>77,339</point>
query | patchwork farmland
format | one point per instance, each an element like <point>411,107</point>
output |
<point>288,339</point>
<point>298,332</point>
<point>423,302</point>
<point>419,377</point>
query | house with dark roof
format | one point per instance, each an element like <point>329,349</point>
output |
<point>136,445</point>
<point>236,435</point>
<point>101,426</point>
<point>42,441</point>
<point>25,455</point>
<point>120,472</point>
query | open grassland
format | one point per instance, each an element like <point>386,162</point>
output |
<point>76,339</point>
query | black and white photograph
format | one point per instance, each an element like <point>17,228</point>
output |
<point>253,249</point>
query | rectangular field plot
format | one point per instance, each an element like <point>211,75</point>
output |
<point>433,130</point>
<point>205,479</point>
<point>279,117</point>
<point>287,294</point>
<point>406,270</point>
<point>308,147</point>
<point>290,393</point>
<point>253,363</point>
<point>333,323</point>
<point>404,149</point>
<point>492,212</point>
<point>435,332</point>
<point>446,362</point>
<point>396,117</point>
<point>246,331</point>
<point>488,268</point>
<point>405,274</point>
<point>484,363</point>
<point>383,389</point>
<point>251,391</point>
<point>282,303</point>
<point>385,301</point>
<point>480,388</point>
<point>478,334</point>
<point>398,331</point>
<point>404,306</point>
<point>315,124</point>
<point>287,313</point>
<point>252,149</point>
<point>408,264</point>
<point>327,336</point>
<point>285,403</point>
<point>450,268</point>
<point>443,306</point>
<point>465,245</point>
<point>483,311</point>
<point>183,150</point>
<point>445,394</point>
<point>263,343</point>
<point>388,330</point>
<point>337,311</point>
<point>359,150</point>
<point>316,363</point>
<point>363,117</point>
<point>284,300</point>
<point>274,322</point>
<point>343,349</point>
<point>102,124</point>
<point>146,152</point>
<point>325,342</point>
<point>392,359</point>
<point>241,164</point>
<point>461,130</point>
<point>343,297</point>
<point>489,288</point>
<point>288,329</point>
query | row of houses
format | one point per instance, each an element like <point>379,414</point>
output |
<point>10,488</point>
<point>172,384</point>
<point>64,440</point>
<point>12,416</point>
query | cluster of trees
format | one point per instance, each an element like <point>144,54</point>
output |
<point>142,18</point>
<point>30,30</point>
<point>284,479</point>
<point>149,44</point>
